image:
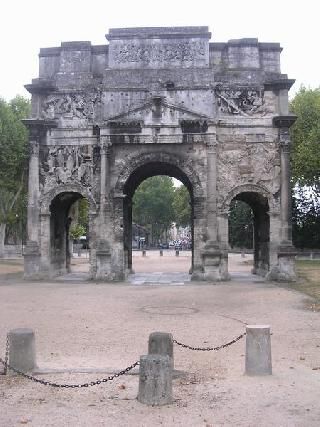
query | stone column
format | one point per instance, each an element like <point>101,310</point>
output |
<point>285,190</point>
<point>212,188</point>
<point>32,248</point>
<point>212,255</point>
<point>103,250</point>
<point>199,226</point>
<point>37,134</point>
<point>33,191</point>
<point>45,242</point>
<point>286,253</point>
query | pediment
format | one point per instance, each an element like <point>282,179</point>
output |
<point>158,109</point>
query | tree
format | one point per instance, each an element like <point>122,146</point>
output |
<point>305,220</point>
<point>240,225</point>
<point>305,159</point>
<point>305,135</point>
<point>13,155</point>
<point>153,205</point>
<point>181,206</point>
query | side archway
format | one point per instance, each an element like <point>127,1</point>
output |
<point>56,217</point>
<point>261,202</point>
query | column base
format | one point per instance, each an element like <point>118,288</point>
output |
<point>103,259</point>
<point>32,261</point>
<point>285,270</point>
<point>215,264</point>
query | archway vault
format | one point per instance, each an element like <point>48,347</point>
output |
<point>142,166</point>
<point>248,189</point>
<point>48,197</point>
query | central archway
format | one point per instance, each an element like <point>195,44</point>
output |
<point>139,168</point>
<point>139,175</point>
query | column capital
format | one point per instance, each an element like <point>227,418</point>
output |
<point>34,147</point>
<point>284,121</point>
<point>38,127</point>
<point>211,142</point>
<point>105,144</point>
<point>284,139</point>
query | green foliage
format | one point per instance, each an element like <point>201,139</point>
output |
<point>13,160</point>
<point>153,205</point>
<point>305,220</point>
<point>76,231</point>
<point>305,158</point>
<point>182,207</point>
<point>83,213</point>
<point>305,135</point>
<point>13,142</point>
<point>240,225</point>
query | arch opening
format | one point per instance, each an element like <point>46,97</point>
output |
<point>249,234</point>
<point>158,233</point>
<point>69,231</point>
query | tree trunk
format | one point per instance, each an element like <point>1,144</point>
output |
<point>2,237</point>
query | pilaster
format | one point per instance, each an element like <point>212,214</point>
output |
<point>32,254</point>
<point>285,270</point>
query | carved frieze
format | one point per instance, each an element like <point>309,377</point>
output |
<point>253,163</point>
<point>183,51</point>
<point>70,105</point>
<point>67,164</point>
<point>241,101</point>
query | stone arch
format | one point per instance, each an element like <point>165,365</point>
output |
<point>47,197</point>
<point>248,188</point>
<point>261,201</point>
<point>136,161</point>
<point>139,167</point>
<point>55,223</point>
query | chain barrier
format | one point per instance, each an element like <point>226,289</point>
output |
<point>51,384</point>
<point>189,347</point>
<point>6,366</point>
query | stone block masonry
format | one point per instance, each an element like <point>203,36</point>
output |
<point>159,101</point>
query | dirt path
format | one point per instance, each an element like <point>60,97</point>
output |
<point>88,325</point>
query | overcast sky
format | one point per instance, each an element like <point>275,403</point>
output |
<point>28,25</point>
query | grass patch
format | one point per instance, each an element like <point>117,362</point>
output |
<point>309,279</point>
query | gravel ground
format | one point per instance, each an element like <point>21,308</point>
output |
<point>106,326</point>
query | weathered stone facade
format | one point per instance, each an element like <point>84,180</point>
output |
<point>159,101</point>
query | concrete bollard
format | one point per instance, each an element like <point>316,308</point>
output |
<point>161,343</point>
<point>258,350</point>
<point>161,252</point>
<point>143,253</point>
<point>177,252</point>
<point>155,380</point>
<point>22,352</point>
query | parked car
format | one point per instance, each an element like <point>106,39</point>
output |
<point>164,245</point>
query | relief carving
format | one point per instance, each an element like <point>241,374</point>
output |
<point>168,52</point>
<point>79,105</point>
<point>62,165</point>
<point>241,101</point>
<point>257,164</point>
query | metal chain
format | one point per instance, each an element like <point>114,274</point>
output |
<point>210,348</point>
<point>51,384</point>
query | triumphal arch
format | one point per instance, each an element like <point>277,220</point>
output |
<point>159,101</point>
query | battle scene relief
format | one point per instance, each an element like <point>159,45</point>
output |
<point>71,105</point>
<point>257,164</point>
<point>68,164</point>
